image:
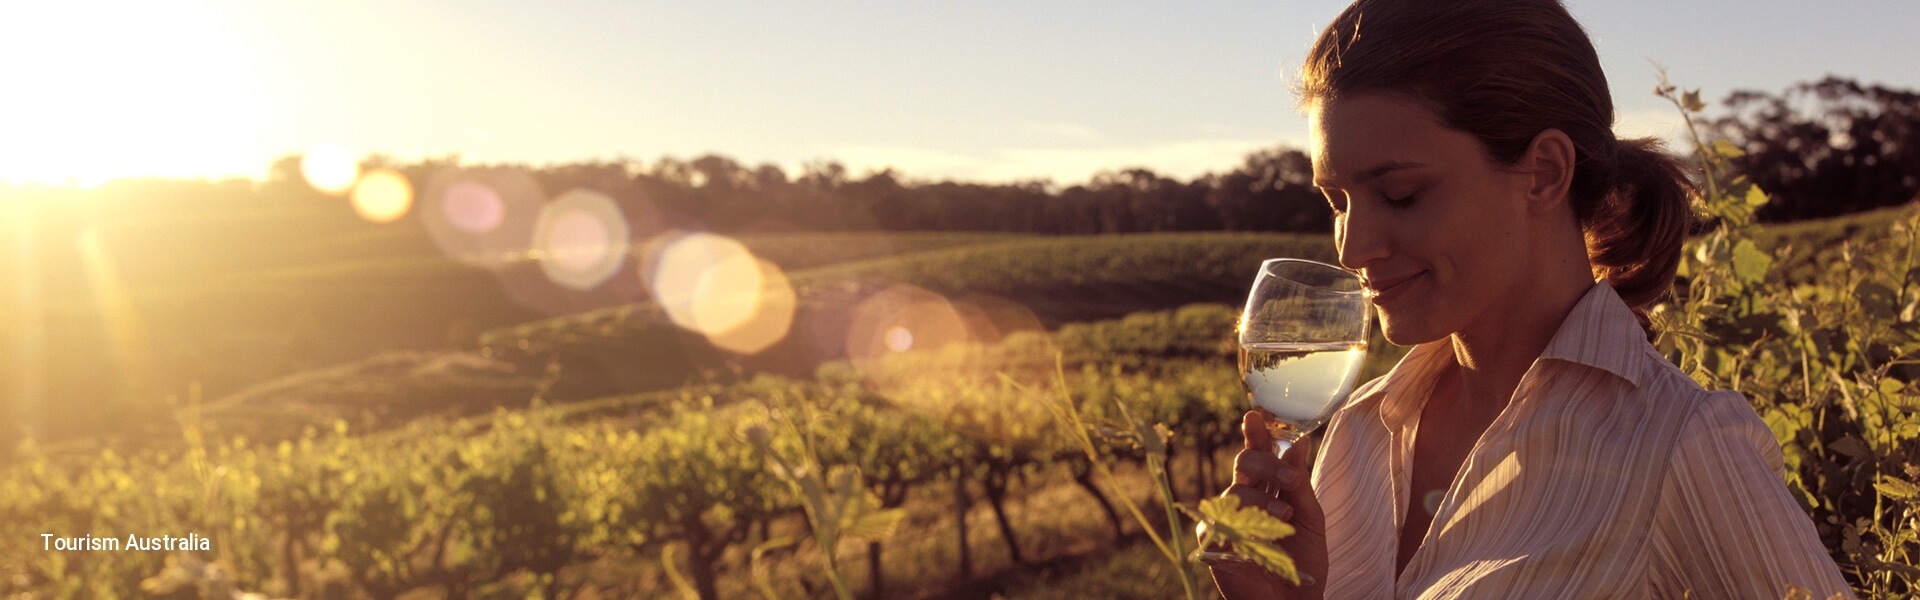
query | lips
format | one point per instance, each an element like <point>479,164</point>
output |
<point>1383,290</point>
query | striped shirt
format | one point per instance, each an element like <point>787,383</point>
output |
<point>1609,474</point>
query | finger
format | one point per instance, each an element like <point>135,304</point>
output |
<point>1254,496</point>
<point>1253,428</point>
<point>1262,467</point>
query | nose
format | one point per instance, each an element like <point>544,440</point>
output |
<point>1361,238</point>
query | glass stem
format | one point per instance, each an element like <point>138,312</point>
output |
<point>1286,441</point>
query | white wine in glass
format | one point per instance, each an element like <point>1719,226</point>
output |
<point>1303,337</point>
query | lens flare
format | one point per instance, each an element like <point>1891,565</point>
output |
<point>472,207</point>
<point>705,281</point>
<point>899,339</point>
<point>903,318</point>
<point>990,319</point>
<point>576,240</point>
<point>760,310</point>
<point>483,217</point>
<point>580,239</point>
<point>382,196</point>
<point>329,168</point>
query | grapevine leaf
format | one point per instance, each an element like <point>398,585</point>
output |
<point>1231,518</point>
<point>1727,149</point>
<point>875,525</point>
<point>1269,557</point>
<point>1750,265</point>
<point>1897,489</point>
<point>1851,447</point>
<point>1891,386</point>
<point>1250,532</point>
<point>1876,300</point>
<point>1756,196</point>
<point>1691,100</point>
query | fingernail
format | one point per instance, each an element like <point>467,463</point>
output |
<point>1280,508</point>
<point>1287,476</point>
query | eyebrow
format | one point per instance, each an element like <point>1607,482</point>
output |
<point>1375,171</point>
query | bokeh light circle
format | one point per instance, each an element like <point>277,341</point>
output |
<point>485,217</point>
<point>899,339</point>
<point>760,316</point>
<point>691,267</point>
<point>580,239</point>
<point>472,207</point>
<point>903,318</point>
<point>382,196</point>
<point>713,285</point>
<point>329,168</point>
<point>576,240</point>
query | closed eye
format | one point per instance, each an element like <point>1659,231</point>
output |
<point>1401,202</point>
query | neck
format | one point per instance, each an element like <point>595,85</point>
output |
<point>1493,353</point>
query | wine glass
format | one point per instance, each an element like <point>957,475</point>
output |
<point>1303,337</point>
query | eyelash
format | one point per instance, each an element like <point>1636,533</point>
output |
<point>1400,202</point>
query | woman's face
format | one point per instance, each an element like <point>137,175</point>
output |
<point>1433,225</point>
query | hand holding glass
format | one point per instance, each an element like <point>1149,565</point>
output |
<point>1303,337</point>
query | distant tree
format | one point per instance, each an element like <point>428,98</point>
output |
<point>1271,191</point>
<point>1826,148</point>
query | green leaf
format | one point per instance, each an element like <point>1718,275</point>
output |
<point>1756,196</point>
<point>1750,265</point>
<point>1246,521</point>
<point>875,525</point>
<point>1269,557</point>
<point>1877,300</point>
<point>1897,489</point>
<point>1891,386</point>
<point>1852,447</point>
<point>1727,149</point>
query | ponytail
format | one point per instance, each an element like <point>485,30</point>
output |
<point>1504,71</point>
<point>1635,230</point>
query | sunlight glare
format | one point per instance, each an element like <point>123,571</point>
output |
<point>382,196</point>
<point>117,312</point>
<point>329,168</point>
<point>104,90</point>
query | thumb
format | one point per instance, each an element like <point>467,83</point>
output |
<point>1300,456</point>
<point>1253,429</point>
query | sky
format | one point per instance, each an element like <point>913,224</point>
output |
<point>987,90</point>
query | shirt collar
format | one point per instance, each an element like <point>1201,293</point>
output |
<point>1600,332</point>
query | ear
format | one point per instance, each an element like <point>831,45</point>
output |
<point>1548,170</point>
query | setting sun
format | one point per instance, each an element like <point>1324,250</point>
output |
<point>122,89</point>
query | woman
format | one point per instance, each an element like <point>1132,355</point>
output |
<point>1532,444</point>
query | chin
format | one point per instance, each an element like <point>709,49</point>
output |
<point>1406,332</point>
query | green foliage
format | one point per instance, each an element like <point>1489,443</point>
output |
<point>1820,333</point>
<point>1250,531</point>
<point>837,501</point>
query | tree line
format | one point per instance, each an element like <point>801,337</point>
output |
<point>1821,149</point>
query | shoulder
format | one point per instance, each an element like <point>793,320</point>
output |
<point>1713,426</point>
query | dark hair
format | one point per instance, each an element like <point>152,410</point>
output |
<point>1504,71</point>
